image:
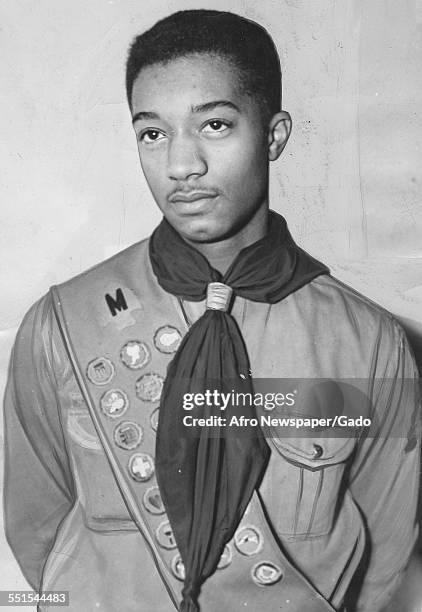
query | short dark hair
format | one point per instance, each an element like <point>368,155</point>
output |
<point>243,42</point>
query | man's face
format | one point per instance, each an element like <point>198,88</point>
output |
<point>203,145</point>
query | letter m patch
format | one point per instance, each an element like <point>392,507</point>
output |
<point>116,304</point>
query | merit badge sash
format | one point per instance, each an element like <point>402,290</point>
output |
<point>121,330</point>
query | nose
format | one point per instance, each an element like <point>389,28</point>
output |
<point>185,158</point>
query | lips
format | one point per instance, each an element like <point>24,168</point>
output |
<point>191,196</point>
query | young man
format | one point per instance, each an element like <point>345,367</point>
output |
<point>128,511</point>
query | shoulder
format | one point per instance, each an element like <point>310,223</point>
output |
<point>347,309</point>
<point>34,330</point>
<point>116,285</point>
<point>36,336</point>
<point>131,260</point>
<point>338,299</point>
<point>339,295</point>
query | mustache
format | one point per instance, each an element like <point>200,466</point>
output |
<point>188,192</point>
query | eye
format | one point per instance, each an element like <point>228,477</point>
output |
<point>216,126</point>
<point>150,136</point>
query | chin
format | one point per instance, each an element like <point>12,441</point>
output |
<point>201,231</point>
<point>201,236</point>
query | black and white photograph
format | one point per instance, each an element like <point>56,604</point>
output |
<point>211,314</point>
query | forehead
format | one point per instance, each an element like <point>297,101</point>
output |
<point>187,81</point>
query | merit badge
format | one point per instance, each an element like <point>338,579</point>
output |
<point>128,435</point>
<point>178,568</point>
<point>152,501</point>
<point>266,573</point>
<point>100,371</point>
<point>154,419</point>
<point>149,387</point>
<point>167,339</point>
<point>248,540</point>
<point>141,467</point>
<point>135,355</point>
<point>165,537</point>
<point>114,403</point>
<point>226,557</point>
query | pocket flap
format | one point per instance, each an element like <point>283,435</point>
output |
<point>314,453</point>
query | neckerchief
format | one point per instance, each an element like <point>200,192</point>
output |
<point>208,474</point>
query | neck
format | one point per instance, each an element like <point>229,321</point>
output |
<point>222,253</point>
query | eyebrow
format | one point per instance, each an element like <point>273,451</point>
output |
<point>199,108</point>
<point>203,108</point>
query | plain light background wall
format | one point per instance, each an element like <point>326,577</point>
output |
<point>348,182</point>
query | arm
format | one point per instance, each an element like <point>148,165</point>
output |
<point>384,479</point>
<point>38,487</point>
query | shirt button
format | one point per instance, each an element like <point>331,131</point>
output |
<point>318,451</point>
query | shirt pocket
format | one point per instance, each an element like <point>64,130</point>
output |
<point>79,424</point>
<point>304,484</point>
<point>98,494</point>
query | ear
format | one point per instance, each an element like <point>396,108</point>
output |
<point>279,130</point>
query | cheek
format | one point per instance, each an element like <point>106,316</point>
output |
<point>153,172</point>
<point>248,170</point>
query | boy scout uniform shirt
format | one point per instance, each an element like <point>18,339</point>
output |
<point>66,521</point>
